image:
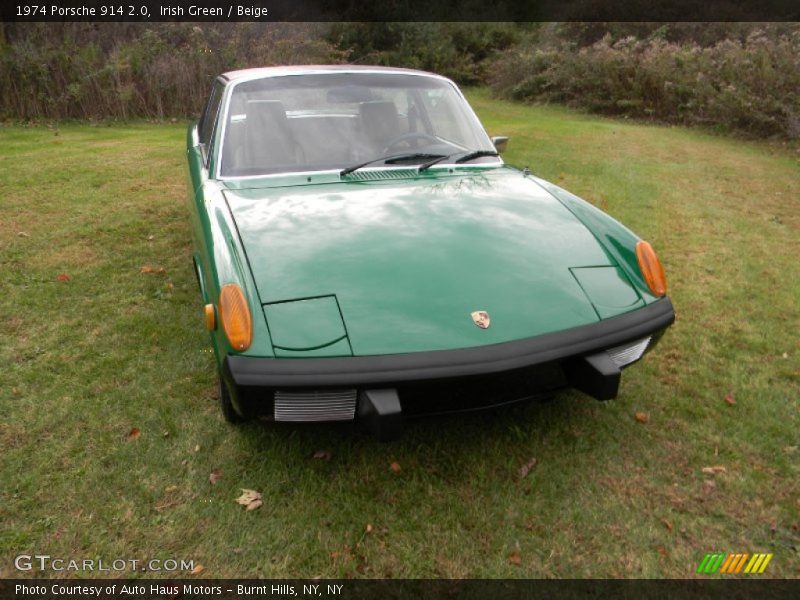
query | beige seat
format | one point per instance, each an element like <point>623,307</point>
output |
<point>380,123</point>
<point>268,139</point>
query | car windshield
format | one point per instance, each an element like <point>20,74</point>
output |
<point>320,121</point>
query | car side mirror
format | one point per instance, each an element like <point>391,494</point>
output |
<point>500,143</point>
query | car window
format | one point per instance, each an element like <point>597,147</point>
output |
<point>206,127</point>
<point>445,114</point>
<point>333,120</point>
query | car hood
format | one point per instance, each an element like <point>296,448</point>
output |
<point>393,266</point>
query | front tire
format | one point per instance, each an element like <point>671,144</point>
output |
<point>228,411</point>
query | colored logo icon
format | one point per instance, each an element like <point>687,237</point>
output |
<point>481,318</point>
<point>733,564</point>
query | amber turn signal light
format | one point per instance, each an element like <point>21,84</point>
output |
<point>235,317</point>
<point>211,317</point>
<point>651,268</point>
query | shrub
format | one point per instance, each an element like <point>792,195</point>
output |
<point>750,85</point>
<point>455,50</point>
<point>124,70</point>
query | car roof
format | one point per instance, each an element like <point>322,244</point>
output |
<point>264,72</point>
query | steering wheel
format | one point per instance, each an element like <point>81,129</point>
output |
<point>407,138</point>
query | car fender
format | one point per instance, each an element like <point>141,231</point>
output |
<point>618,240</point>
<point>226,262</point>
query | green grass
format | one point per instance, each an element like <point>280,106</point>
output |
<point>86,360</point>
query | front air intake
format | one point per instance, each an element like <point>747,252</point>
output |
<point>381,174</point>
<point>629,353</point>
<point>336,405</point>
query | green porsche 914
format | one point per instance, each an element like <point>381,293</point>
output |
<point>364,254</point>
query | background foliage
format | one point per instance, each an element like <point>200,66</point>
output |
<point>741,77</point>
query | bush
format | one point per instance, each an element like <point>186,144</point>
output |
<point>455,50</point>
<point>124,70</point>
<point>750,86</point>
<point>84,71</point>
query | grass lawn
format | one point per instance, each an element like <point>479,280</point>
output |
<point>93,347</point>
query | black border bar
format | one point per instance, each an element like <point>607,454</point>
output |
<point>733,588</point>
<point>150,11</point>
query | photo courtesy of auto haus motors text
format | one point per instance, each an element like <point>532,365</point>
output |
<point>172,590</point>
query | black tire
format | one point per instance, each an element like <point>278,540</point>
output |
<point>230,414</point>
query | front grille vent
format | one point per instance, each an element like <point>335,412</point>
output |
<point>625,355</point>
<point>335,405</point>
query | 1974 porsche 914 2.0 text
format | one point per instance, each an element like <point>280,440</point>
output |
<point>364,254</point>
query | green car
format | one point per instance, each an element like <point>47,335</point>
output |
<point>364,254</point>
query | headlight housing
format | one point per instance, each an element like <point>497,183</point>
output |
<point>235,316</point>
<point>651,268</point>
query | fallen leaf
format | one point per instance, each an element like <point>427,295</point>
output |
<point>661,550</point>
<point>527,468</point>
<point>198,569</point>
<point>642,417</point>
<point>23,234</point>
<point>215,476</point>
<point>667,524</point>
<point>322,455</point>
<point>529,525</point>
<point>514,558</point>
<point>730,399</point>
<point>714,470</point>
<point>171,488</point>
<point>134,434</point>
<point>250,499</point>
<point>149,269</point>
<point>168,503</point>
<point>395,466</point>
<point>785,355</point>
<point>369,528</point>
<point>63,277</point>
<point>197,448</point>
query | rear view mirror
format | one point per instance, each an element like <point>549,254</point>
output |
<point>500,142</point>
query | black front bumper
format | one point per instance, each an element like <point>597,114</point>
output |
<point>578,353</point>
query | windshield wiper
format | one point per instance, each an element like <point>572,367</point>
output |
<point>390,160</point>
<point>464,157</point>
<point>476,154</point>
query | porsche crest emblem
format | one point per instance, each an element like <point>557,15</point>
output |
<point>482,319</point>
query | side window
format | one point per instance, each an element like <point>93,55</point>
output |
<point>206,128</point>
